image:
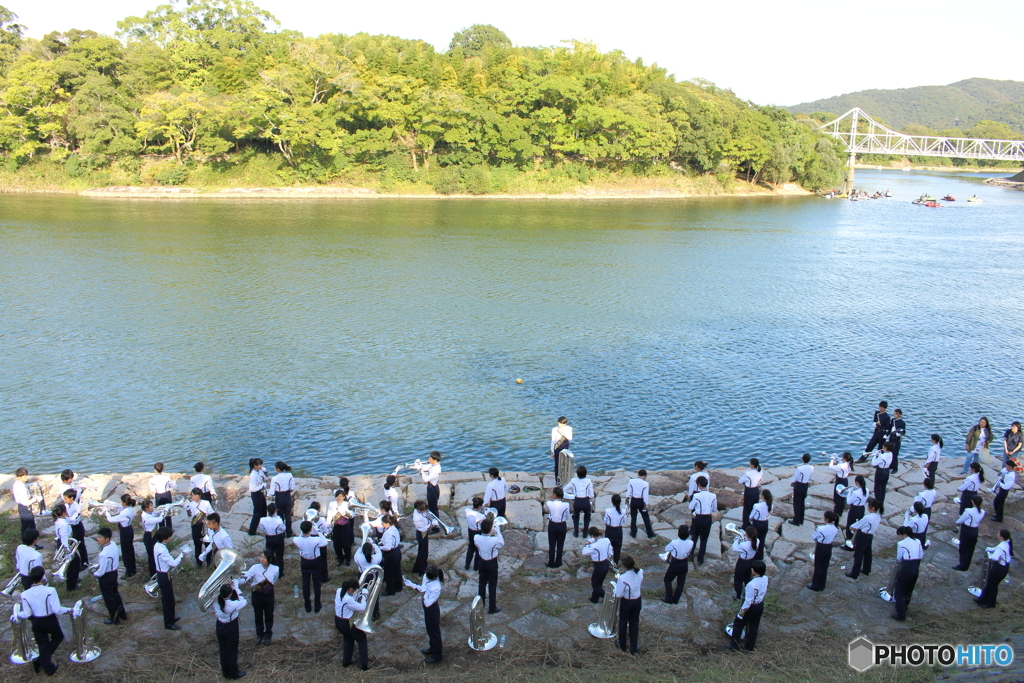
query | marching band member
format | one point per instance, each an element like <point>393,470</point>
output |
<point>745,549</point>
<point>473,519</point>
<point>882,464</point>
<point>368,556</point>
<point>385,511</point>
<point>969,522</point>
<point>927,499</point>
<point>229,604</point>
<point>581,490</point>
<point>123,520</point>
<point>614,516</point>
<point>257,493</point>
<point>494,494</point>
<point>558,513</point>
<point>273,528</point>
<point>599,550</point>
<point>488,543</point>
<point>77,526</point>
<point>858,499</point>
<point>309,553</point>
<point>67,481</point>
<point>431,585</point>
<point>41,604</point>
<point>422,524</point>
<point>628,590</point>
<point>25,500</point>
<point>751,481</point>
<point>1004,483</point>
<point>931,463</point>
<point>150,522</point>
<point>431,474</point>
<point>346,603</point>
<point>899,430</point>
<point>262,577</point>
<point>216,538</point>
<point>283,487</point>
<point>561,436</point>
<point>161,486</point>
<point>164,563</point>
<point>203,482</point>
<point>824,536</point>
<point>342,531</point>
<point>883,425</point>
<point>751,610</point>
<point>843,468</point>
<point>692,487</point>
<point>971,486</point>
<point>392,493</point>
<point>678,565</point>
<point>800,482</point>
<point>916,519</point>
<point>638,492</point>
<point>909,553</point>
<point>759,520</point>
<point>865,527</point>
<point>1001,555</point>
<point>62,529</point>
<point>198,511</point>
<point>391,550</point>
<point>320,528</point>
<point>26,557</point>
<point>703,505</point>
<point>106,573</point>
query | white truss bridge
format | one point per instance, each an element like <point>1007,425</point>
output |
<point>863,135</point>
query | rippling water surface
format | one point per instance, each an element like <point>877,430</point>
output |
<point>351,336</point>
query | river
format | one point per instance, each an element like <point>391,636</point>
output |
<point>352,336</point>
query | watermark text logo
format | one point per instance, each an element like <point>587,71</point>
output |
<point>863,654</point>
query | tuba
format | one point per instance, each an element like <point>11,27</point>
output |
<point>152,587</point>
<point>733,529</point>
<point>24,649</point>
<point>231,566</point>
<point>364,509</point>
<point>105,508</point>
<point>62,559</point>
<point>371,581</point>
<point>493,514</point>
<point>986,565</point>
<point>566,467</point>
<point>480,639</point>
<point>436,521</point>
<point>367,530</point>
<point>11,585</point>
<point>85,649</point>
<point>889,592</point>
<point>607,624</point>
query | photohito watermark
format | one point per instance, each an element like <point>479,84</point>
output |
<point>864,654</point>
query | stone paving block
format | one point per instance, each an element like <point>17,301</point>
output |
<point>538,625</point>
<point>524,514</point>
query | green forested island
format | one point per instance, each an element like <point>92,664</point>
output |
<point>213,93</point>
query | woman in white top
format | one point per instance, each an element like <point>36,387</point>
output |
<point>561,437</point>
<point>857,496</point>
<point>227,607</point>
<point>969,522</point>
<point>824,536</point>
<point>339,516</point>
<point>162,487</point>
<point>751,481</point>
<point>123,519</point>
<point>392,493</point>
<point>24,499</point>
<point>759,520</point>
<point>474,516</point>
<point>495,492</point>
<point>1000,556</point>
<point>931,463</point>
<point>431,586</point>
<point>391,549</point>
<point>581,490</point>
<point>150,522</point>
<point>283,486</point>
<point>347,601</point>
<point>745,549</point>
<point>257,493</point>
<point>613,518</point>
<point>971,486</point>
<point>558,513</point>
<point>599,550</point>
<point>203,482</point>
<point>678,565</point>
<point>699,470</point>
<point>916,519</point>
<point>262,576</point>
<point>843,468</point>
<point>628,590</point>
<point>367,556</point>
<point>272,527</point>
<point>422,524</point>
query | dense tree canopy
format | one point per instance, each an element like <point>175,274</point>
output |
<point>205,80</point>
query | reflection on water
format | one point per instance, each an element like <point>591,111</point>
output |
<point>350,336</point>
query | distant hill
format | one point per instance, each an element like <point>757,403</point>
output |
<point>935,106</point>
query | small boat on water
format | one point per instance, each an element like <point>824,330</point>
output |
<point>974,199</point>
<point>930,203</point>
<point>949,198</point>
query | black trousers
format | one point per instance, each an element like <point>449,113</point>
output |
<point>556,542</point>
<point>877,439</point>
<point>78,533</point>
<point>752,620</point>
<point>312,573</point>
<point>259,510</point>
<point>968,541</point>
<point>73,572</point>
<point>351,636</point>
<point>472,556</point>
<point>614,534</point>
<point>563,446</point>
<point>741,575</point>
<point>149,542</point>
<point>676,571</point>
<point>629,622</point>
<point>965,500</point>
<point>799,501</point>
<point>161,499</point>
<point>392,566</point>
<point>580,505</point>
<point>499,505</point>
<point>839,502</point>
<point>112,597</point>
<point>127,537</point>
<point>896,443</point>
<point>275,551</point>
<point>28,520</point>
<point>924,534</point>
<point>750,497</point>
<point>998,502</point>
<point>343,537</point>
<point>597,581</point>
<point>881,483</point>
<point>432,620</point>
<point>283,501</point>
<point>263,610</point>
<point>762,534</point>
<point>48,637</point>
<point>637,505</point>
<point>422,552</point>
<point>822,557</point>
<point>996,573</point>
<point>26,582</point>
<point>227,644</point>
<point>489,582</point>
<point>906,579</point>
<point>166,598</point>
<point>856,513</point>
<point>930,468</point>
<point>861,554</point>
<point>701,530</point>
<point>433,496</point>
<point>198,531</point>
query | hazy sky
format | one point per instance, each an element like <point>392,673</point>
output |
<point>768,52</point>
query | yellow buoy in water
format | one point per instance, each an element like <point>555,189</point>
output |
<point>519,381</point>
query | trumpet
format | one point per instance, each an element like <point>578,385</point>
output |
<point>168,509</point>
<point>832,458</point>
<point>105,508</point>
<point>414,465</point>
<point>62,559</point>
<point>436,521</point>
<point>11,585</point>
